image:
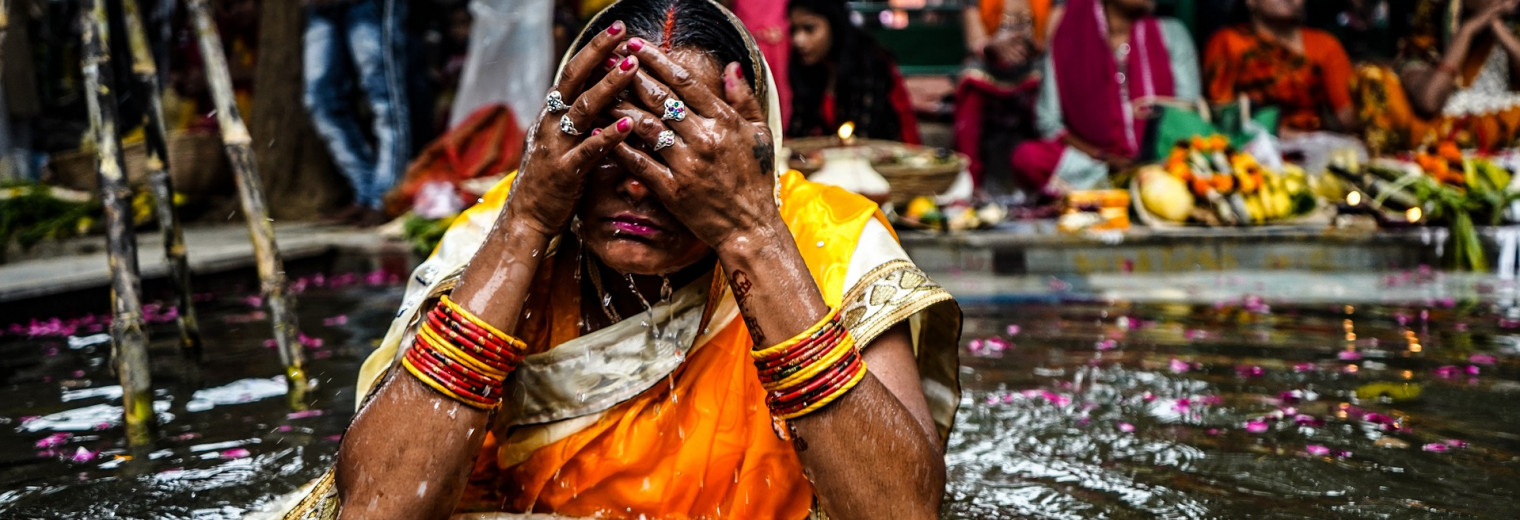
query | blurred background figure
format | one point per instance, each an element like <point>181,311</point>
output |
<point>995,97</point>
<point>1456,80</point>
<point>510,59</point>
<point>350,43</point>
<point>1274,60</point>
<point>767,21</point>
<point>839,73</point>
<point>1110,62</point>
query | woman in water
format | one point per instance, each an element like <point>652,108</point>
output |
<point>840,74</point>
<point>647,321</point>
<point>1110,62</point>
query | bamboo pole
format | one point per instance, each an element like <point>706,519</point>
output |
<point>238,142</point>
<point>129,343</point>
<point>144,68</point>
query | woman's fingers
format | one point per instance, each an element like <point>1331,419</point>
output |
<point>588,60</point>
<point>653,131</point>
<point>601,142</point>
<point>647,170</point>
<point>682,81</point>
<point>655,96</point>
<point>603,93</point>
<point>740,96</point>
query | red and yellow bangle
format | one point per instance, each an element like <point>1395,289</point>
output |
<point>812,369</point>
<point>461,356</point>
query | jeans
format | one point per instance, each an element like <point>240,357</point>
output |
<point>360,41</point>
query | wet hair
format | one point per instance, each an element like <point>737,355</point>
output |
<point>680,24</point>
<point>862,79</point>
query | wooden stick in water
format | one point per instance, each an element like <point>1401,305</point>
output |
<point>129,342</point>
<point>146,72</point>
<point>238,142</point>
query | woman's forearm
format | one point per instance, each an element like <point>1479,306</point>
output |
<point>410,448</point>
<point>1429,87</point>
<point>866,453</point>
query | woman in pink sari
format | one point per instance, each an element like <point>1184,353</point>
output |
<point>1110,61</point>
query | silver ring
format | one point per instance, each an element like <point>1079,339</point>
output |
<point>666,139</point>
<point>567,126</point>
<point>675,110</point>
<point>556,103</point>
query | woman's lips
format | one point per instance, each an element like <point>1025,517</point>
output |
<point>635,225</point>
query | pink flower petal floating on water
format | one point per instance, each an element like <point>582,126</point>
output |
<point>1209,400</point>
<point>1107,344</point>
<point>53,441</point>
<point>992,399</point>
<point>1178,366</point>
<point>340,319</point>
<point>1195,334</point>
<point>1348,355</point>
<point>83,455</point>
<point>1148,397</point>
<point>271,343</point>
<point>1126,427</point>
<point>303,414</point>
<point>1316,450</point>
<point>1472,370</point>
<point>1435,447</point>
<point>997,344</point>
<point>254,300</point>
<point>1482,359</point>
<point>308,341</point>
<point>975,345</point>
<point>1214,431</point>
<point>1447,371</point>
<point>1304,367</point>
<point>1256,426</point>
<point>1182,405</point>
<point>1013,330</point>
<point>1249,371</point>
<point>1307,420</point>
<point>235,453</point>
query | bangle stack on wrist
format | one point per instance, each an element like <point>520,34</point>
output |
<point>461,356</point>
<point>811,370</point>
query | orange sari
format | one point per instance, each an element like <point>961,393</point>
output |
<point>1238,61</point>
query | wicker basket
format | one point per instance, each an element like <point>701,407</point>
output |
<point>197,164</point>
<point>907,181</point>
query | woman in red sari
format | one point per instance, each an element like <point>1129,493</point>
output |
<point>1110,61</point>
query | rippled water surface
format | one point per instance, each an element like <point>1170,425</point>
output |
<point>1073,408</point>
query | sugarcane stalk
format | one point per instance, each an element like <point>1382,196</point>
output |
<point>236,139</point>
<point>129,341</point>
<point>162,184</point>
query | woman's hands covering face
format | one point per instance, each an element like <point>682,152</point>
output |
<point>717,173</point>
<point>562,147</point>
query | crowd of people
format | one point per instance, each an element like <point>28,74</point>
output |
<point>1090,76</point>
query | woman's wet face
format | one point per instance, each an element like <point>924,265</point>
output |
<point>623,223</point>
<point>810,36</point>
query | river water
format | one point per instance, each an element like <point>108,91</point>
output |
<point>1075,407</point>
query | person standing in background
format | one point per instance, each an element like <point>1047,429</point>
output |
<point>348,42</point>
